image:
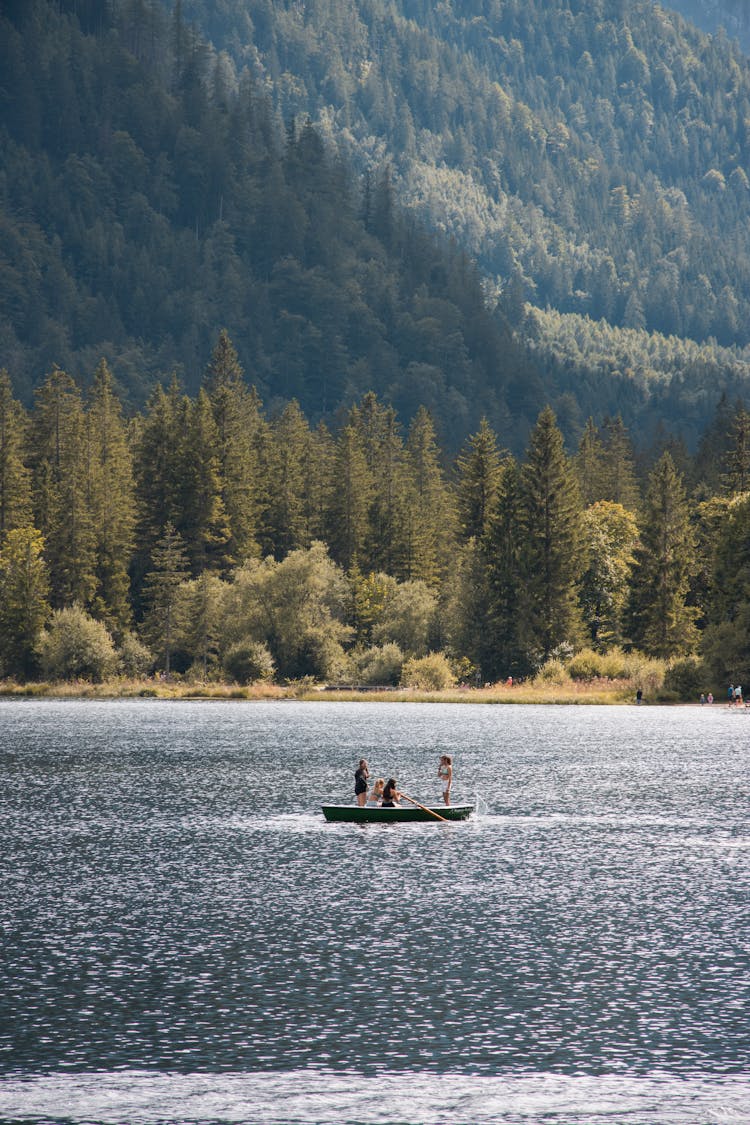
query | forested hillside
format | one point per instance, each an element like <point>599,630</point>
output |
<point>593,156</point>
<point>155,186</point>
<point>148,197</point>
<point>733,16</point>
<point>595,151</point>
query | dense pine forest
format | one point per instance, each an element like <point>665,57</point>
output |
<point>592,155</point>
<point>202,537</point>
<point>147,199</point>
<point>730,17</point>
<point>261,418</point>
<point>314,178</point>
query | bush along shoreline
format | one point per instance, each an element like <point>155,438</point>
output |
<point>585,678</point>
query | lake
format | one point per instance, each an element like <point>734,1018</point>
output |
<point>185,939</point>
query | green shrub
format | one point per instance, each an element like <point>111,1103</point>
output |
<point>247,661</point>
<point>553,672</point>
<point>645,672</point>
<point>428,673</point>
<point>134,659</point>
<point>76,647</point>
<point>380,665</point>
<point>586,665</point>
<point>686,678</point>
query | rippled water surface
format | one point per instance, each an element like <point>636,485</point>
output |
<point>185,939</point>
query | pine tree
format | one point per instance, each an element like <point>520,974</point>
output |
<point>659,621</point>
<point>368,596</point>
<point>169,569</point>
<point>737,476</point>
<point>505,647</point>
<point>553,556</point>
<point>158,464</point>
<point>620,482</point>
<point>15,478</point>
<point>383,448</point>
<point>111,502</point>
<point>479,471</point>
<point>430,514</point>
<point>610,534</point>
<point>203,522</point>
<point>589,465</point>
<point>351,490</point>
<point>24,600</point>
<point>726,641</point>
<point>60,476</point>
<point>239,423</point>
<point>288,517</point>
<point>322,455</point>
<point>200,607</point>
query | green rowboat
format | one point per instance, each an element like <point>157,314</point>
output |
<point>354,814</point>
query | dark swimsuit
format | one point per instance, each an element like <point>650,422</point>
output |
<point>360,783</point>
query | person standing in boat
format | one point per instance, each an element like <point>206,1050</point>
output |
<point>445,773</point>
<point>361,775</point>
<point>391,795</point>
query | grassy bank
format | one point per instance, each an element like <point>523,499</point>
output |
<point>578,692</point>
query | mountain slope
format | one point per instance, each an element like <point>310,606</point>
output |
<point>713,15</point>
<point>145,204</point>
<point>595,152</point>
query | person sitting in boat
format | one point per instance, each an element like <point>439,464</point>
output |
<point>376,794</point>
<point>361,775</point>
<point>391,795</point>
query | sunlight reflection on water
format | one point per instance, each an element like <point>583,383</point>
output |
<point>186,939</point>
<point>302,1097</point>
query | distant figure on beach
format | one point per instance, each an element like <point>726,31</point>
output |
<point>361,775</point>
<point>639,696</point>
<point>710,697</point>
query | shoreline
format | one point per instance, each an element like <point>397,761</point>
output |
<point>576,693</point>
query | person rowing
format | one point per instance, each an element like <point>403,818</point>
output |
<point>391,795</point>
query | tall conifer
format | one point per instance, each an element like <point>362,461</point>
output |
<point>238,422</point>
<point>169,569</point>
<point>479,472</point>
<point>203,520</point>
<point>589,465</point>
<point>60,474</point>
<point>737,475</point>
<point>15,478</point>
<point>111,501</point>
<point>24,604</point>
<point>288,519</point>
<point>553,557</point>
<point>383,448</point>
<point>620,481</point>
<point>430,512</point>
<point>660,623</point>
<point>505,647</point>
<point>351,490</point>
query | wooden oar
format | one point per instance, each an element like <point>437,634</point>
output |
<point>425,809</point>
